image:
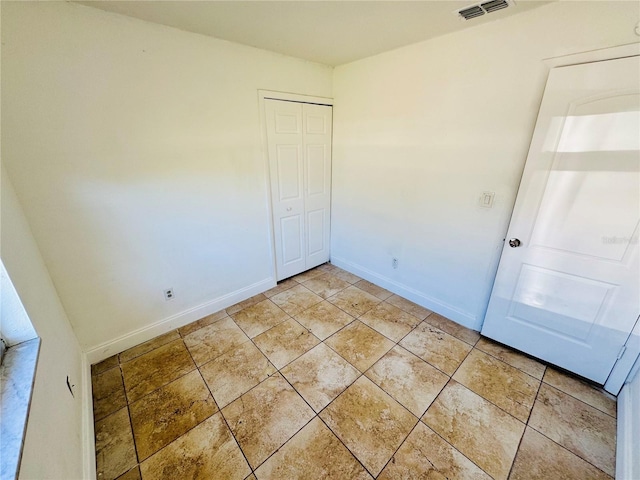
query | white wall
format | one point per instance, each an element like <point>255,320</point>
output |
<point>54,443</point>
<point>135,150</point>
<point>15,325</point>
<point>422,131</point>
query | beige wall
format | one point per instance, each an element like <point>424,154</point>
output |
<point>135,150</point>
<point>422,131</point>
<point>54,443</point>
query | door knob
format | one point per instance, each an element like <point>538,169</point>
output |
<point>288,209</point>
<point>514,242</point>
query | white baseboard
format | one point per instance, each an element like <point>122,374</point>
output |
<point>446,310</point>
<point>136,337</point>
<point>88,434</point>
<point>628,441</point>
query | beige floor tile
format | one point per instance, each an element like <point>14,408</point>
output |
<point>246,303</point>
<point>167,413</point>
<point>327,267</point>
<point>346,276</point>
<point>103,366</point>
<point>207,451</point>
<point>360,345</point>
<point>296,299</point>
<point>145,347</point>
<point>373,289</point>
<point>452,328</point>
<point>264,418</point>
<point>390,321</point>
<point>313,453</point>
<point>542,459</point>
<point>503,385</point>
<point>324,319</point>
<point>308,275</point>
<point>285,342</point>
<point>436,347</point>
<point>320,375</point>
<point>108,393</point>
<point>579,427</point>
<point>259,318</point>
<point>281,287</point>
<point>326,285</point>
<point>133,474</point>
<point>584,391</point>
<point>408,306</point>
<point>478,429</point>
<point>208,343</point>
<point>115,450</point>
<point>512,357</point>
<point>231,375</point>
<point>354,301</point>
<point>156,368</point>
<point>411,381</point>
<point>369,422</point>
<point>203,322</point>
<point>424,455</point>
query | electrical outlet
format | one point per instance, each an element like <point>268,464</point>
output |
<point>168,294</point>
<point>394,263</point>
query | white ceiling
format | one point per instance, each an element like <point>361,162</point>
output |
<point>328,32</point>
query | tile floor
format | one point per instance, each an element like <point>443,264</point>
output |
<point>328,376</point>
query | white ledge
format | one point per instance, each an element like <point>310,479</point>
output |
<point>17,375</point>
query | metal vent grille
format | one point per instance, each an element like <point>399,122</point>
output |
<point>471,12</point>
<point>482,8</point>
<point>494,5</point>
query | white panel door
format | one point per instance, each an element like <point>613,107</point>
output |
<point>317,148</point>
<point>299,142</point>
<point>567,288</point>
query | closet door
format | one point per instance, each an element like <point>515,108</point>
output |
<point>299,143</point>
<point>317,189</point>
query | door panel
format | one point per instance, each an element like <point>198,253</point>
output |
<point>291,231</point>
<point>316,168</point>
<point>289,165</point>
<point>299,143</point>
<point>316,223</point>
<point>286,166</point>
<point>567,304</point>
<point>317,145</point>
<point>569,294</point>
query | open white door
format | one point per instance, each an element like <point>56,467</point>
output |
<point>567,289</point>
<point>299,140</point>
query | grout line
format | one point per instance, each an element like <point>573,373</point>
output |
<point>582,401</point>
<point>223,419</point>
<point>343,444</point>
<point>526,425</point>
<point>399,447</point>
<point>457,450</point>
<point>565,448</point>
<point>360,374</point>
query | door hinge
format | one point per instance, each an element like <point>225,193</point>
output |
<point>622,350</point>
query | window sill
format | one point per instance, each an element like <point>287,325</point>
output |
<point>17,376</point>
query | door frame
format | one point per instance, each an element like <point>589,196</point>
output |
<point>287,97</point>
<point>624,365</point>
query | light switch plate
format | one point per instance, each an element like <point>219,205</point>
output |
<point>486,200</point>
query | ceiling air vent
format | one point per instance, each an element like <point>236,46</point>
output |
<point>494,5</point>
<point>471,12</point>
<point>491,6</point>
